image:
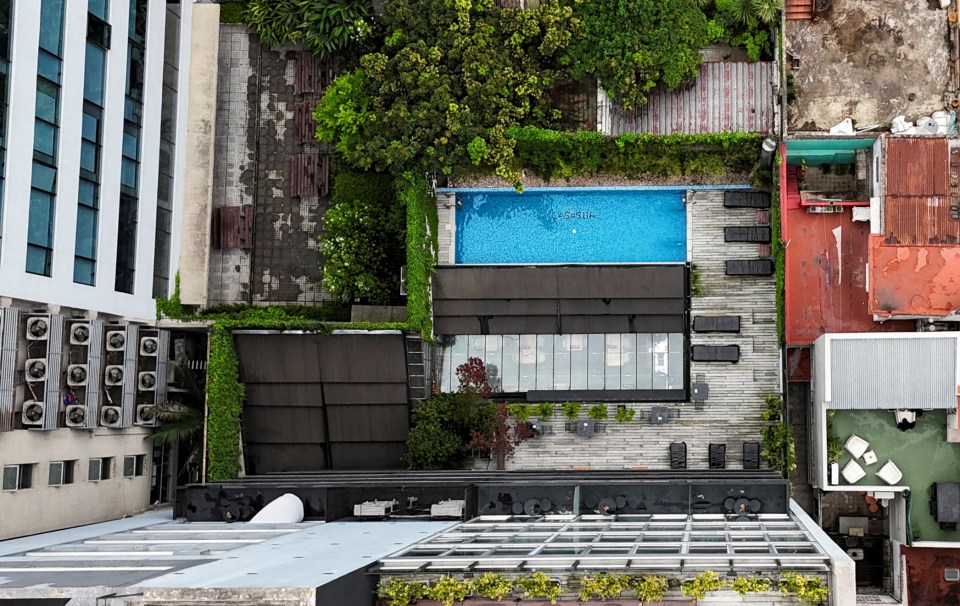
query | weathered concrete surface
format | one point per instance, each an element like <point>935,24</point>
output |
<point>865,59</point>
<point>198,178</point>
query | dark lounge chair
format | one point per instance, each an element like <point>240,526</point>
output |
<point>746,199</point>
<point>716,353</point>
<point>751,455</point>
<point>718,456</point>
<point>750,267</point>
<point>756,233</point>
<point>678,455</point>
<point>716,324</point>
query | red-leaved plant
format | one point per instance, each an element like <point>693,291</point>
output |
<point>501,438</point>
<point>472,374</point>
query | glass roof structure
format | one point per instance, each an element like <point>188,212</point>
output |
<point>520,363</point>
<point>626,543</point>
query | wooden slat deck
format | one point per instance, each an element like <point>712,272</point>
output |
<point>731,415</point>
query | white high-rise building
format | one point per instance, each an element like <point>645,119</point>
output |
<point>94,105</point>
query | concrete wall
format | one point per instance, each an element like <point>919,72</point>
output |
<point>198,177</point>
<point>59,288</point>
<point>44,508</point>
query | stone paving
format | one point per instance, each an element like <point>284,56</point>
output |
<point>255,140</point>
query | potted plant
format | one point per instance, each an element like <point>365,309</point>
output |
<point>448,590</point>
<point>809,590</point>
<point>571,410</point>
<point>398,592</point>
<point>544,410</point>
<point>539,585</point>
<point>520,411</point>
<point>492,585</point>
<point>698,586</point>
<point>624,413</point>
<point>598,412</point>
<point>745,585</point>
<point>603,585</point>
<point>650,588</point>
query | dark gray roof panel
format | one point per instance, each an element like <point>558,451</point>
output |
<point>284,394</point>
<point>368,423</point>
<point>621,324</point>
<point>363,358</point>
<point>496,307</point>
<point>520,325</point>
<point>610,307</point>
<point>291,425</point>
<point>363,455</point>
<point>276,358</point>
<point>364,393</point>
<point>272,458</point>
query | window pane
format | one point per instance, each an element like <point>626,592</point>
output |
<point>93,74</point>
<point>98,31</point>
<point>93,471</point>
<point>26,476</point>
<point>5,29</point>
<point>596,349</point>
<point>44,178</point>
<point>561,362</point>
<point>56,473</point>
<point>578,361</point>
<point>88,193</point>
<point>86,232</point>
<point>45,138</point>
<point>131,143</point>
<point>98,8</point>
<point>68,467</point>
<point>91,127</point>
<point>48,95</point>
<point>10,475</point>
<point>510,373</point>
<point>84,271</point>
<point>88,156</point>
<point>40,228</point>
<point>51,25</point>
<point>529,358</point>
<point>129,467</point>
<point>49,66</point>
<point>38,260</point>
<point>612,362</point>
<point>106,468</point>
<point>128,173</point>
<point>545,367</point>
<point>628,360</point>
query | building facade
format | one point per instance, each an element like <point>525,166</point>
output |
<point>92,139</point>
<point>94,100</point>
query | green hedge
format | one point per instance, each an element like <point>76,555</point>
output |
<point>224,404</point>
<point>414,192</point>
<point>778,250</point>
<point>562,155</point>
<point>233,12</point>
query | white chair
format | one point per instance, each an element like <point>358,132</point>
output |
<point>890,473</point>
<point>853,473</point>
<point>856,446</point>
<point>905,415</point>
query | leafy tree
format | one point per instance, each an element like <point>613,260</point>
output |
<point>441,428</point>
<point>633,46</point>
<point>363,239</point>
<point>450,78</point>
<point>499,438</point>
<point>324,26</point>
<point>472,374</point>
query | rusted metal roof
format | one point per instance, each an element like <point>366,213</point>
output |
<point>727,96</point>
<point>913,281</point>
<point>917,167</point>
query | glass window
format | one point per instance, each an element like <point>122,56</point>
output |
<point>561,362</point>
<point>98,31</point>
<point>11,477</point>
<point>89,194</point>
<point>131,142</point>
<point>48,67</point>
<point>45,139</point>
<point>5,29</point>
<point>48,97</point>
<point>86,232</point>
<point>84,271</point>
<point>529,358</point>
<point>100,8</point>
<point>51,26</point>
<point>93,76</point>
<point>44,178</point>
<point>38,260</point>
<point>628,361</point>
<point>91,127</point>
<point>88,156</point>
<point>510,372</point>
<point>578,361</point>
<point>545,367</point>
<point>128,173</point>
<point>40,228</point>
<point>596,349</point>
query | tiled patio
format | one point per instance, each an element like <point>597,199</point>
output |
<point>922,454</point>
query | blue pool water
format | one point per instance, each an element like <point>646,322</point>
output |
<point>571,225</point>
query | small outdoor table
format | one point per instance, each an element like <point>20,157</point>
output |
<point>948,502</point>
<point>659,415</point>
<point>699,391</point>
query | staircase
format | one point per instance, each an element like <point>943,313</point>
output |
<point>416,369</point>
<point>791,197</point>
<point>799,9</point>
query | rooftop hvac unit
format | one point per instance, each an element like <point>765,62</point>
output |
<point>36,370</point>
<point>116,339</point>
<point>77,375</point>
<point>32,414</point>
<point>451,508</point>
<point>375,509</point>
<point>149,346</point>
<point>146,415</point>
<point>80,334</point>
<point>76,415</point>
<point>110,416</point>
<point>113,376</point>
<point>37,328</point>
<point>147,381</point>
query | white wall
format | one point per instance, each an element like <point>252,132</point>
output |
<point>59,289</point>
<point>44,508</point>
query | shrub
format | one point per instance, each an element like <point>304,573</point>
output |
<point>745,585</point>
<point>363,238</point>
<point>700,585</point>
<point>398,592</point>
<point>544,410</point>
<point>493,585</point>
<point>520,411</point>
<point>650,588</point>
<point>441,427</point>
<point>603,586</point>
<point>232,12</point>
<point>696,281</point>
<point>571,410</point>
<point>422,225</point>
<point>539,585</point>
<point>809,590</point>
<point>448,590</point>
<point>325,27</point>
<point>225,395</point>
<point>778,446</point>
<point>625,414</point>
<point>598,412</point>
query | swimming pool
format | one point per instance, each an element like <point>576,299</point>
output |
<point>571,225</point>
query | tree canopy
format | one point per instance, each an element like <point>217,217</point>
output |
<point>631,46</point>
<point>450,78</point>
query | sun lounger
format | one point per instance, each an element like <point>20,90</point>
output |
<point>751,455</point>
<point>716,353</point>
<point>749,267</point>
<point>678,455</point>
<point>716,324</point>
<point>718,456</point>
<point>746,199</point>
<point>748,233</point>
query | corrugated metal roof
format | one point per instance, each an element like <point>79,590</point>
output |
<point>896,372</point>
<point>727,96</point>
<point>917,167</point>
<point>920,221</point>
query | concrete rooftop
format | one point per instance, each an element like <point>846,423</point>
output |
<point>865,59</point>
